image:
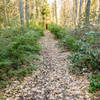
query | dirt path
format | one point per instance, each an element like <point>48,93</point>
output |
<point>52,80</point>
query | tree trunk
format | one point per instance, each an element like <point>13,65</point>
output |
<point>21,12</point>
<point>88,12</point>
<point>80,12</point>
<point>75,12</point>
<point>56,20</point>
<point>37,10</point>
<point>27,13</point>
<point>5,14</point>
<point>99,13</point>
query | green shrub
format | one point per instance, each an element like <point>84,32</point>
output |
<point>22,72</point>
<point>64,35</point>
<point>86,59</point>
<point>36,24</point>
<point>84,55</point>
<point>57,30</point>
<point>16,48</point>
<point>94,83</point>
<point>69,41</point>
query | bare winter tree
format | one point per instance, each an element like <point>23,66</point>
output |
<point>5,13</point>
<point>27,13</point>
<point>21,12</point>
<point>80,11</point>
<point>75,12</point>
<point>55,3</point>
<point>88,11</point>
<point>99,13</point>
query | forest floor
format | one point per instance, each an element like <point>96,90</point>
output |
<point>52,80</point>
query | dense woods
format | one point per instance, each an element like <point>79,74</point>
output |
<point>75,23</point>
<point>61,11</point>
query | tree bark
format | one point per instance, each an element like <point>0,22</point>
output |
<point>37,10</point>
<point>80,8</point>
<point>88,12</point>
<point>80,12</point>
<point>75,12</point>
<point>21,12</point>
<point>5,14</point>
<point>27,13</point>
<point>56,19</point>
<point>99,13</point>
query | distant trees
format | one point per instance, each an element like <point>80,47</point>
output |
<point>68,12</point>
<point>81,12</point>
<point>54,12</point>
<point>45,14</point>
<point>15,12</point>
<point>65,13</point>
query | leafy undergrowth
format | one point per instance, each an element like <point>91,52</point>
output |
<point>86,54</point>
<point>94,83</point>
<point>18,47</point>
<point>65,37</point>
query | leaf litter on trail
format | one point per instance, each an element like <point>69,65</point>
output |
<point>52,80</point>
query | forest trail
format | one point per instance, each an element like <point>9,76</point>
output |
<point>52,80</point>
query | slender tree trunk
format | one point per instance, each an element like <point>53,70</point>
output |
<point>5,14</point>
<point>53,13</point>
<point>21,12</point>
<point>80,12</point>
<point>27,13</point>
<point>88,11</point>
<point>37,12</point>
<point>56,19</point>
<point>99,13</point>
<point>32,11</point>
<point>75,12</point>
<point>64,17</point>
